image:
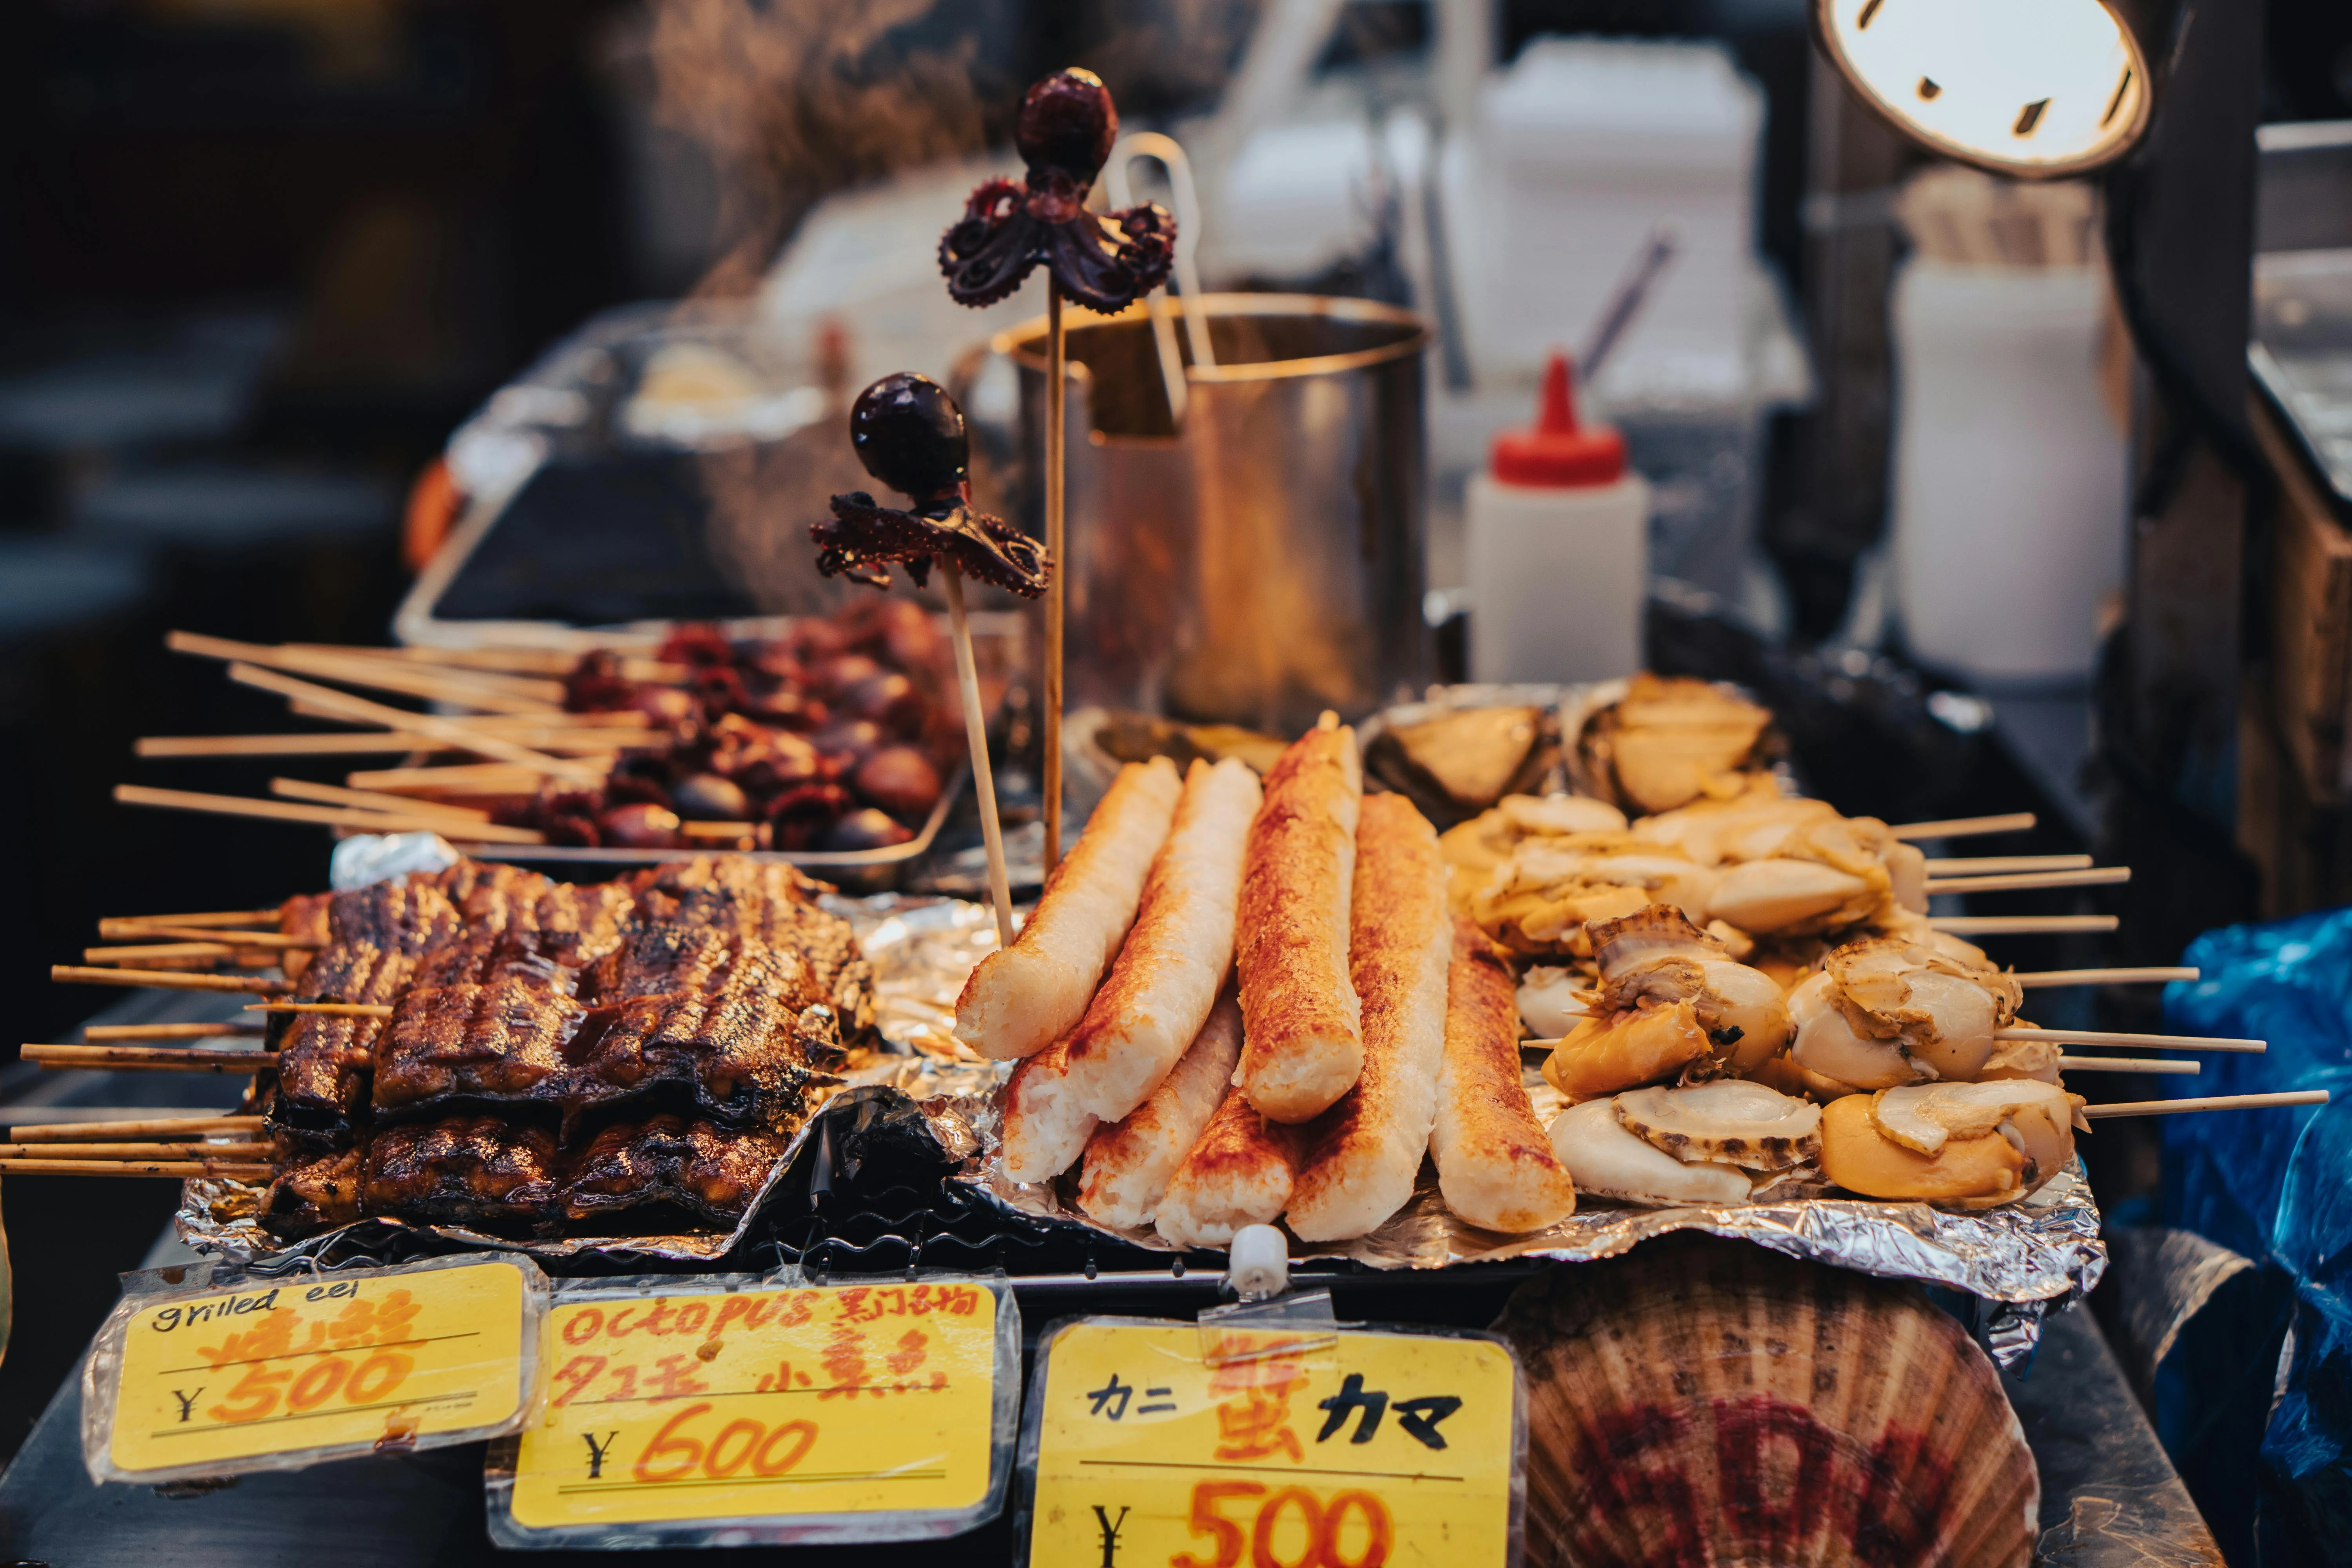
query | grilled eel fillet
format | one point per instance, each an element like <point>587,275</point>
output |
<point>491,1174</point>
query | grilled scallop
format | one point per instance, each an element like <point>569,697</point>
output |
<point>1669,1002</point>
<point>2037,1118</point>
<point>1729,1121</point>
<point>1607,1161</point>
<point>1975,1173</point>
<point>1550,1001</point>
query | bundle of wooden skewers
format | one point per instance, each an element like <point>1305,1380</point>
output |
<point>835,735</point>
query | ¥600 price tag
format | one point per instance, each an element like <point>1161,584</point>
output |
<point>1381,1449</point>
<point>317,1365</point>
<point>776,1405</point>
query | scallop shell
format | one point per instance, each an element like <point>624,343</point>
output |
<point>1703,1401</point>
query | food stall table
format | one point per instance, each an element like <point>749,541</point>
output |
<point>2109,1494</point>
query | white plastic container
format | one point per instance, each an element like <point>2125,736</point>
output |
<point>2010,473</point>
<point>1557,542</point>
<point>1582,149</point>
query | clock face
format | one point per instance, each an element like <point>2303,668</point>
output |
<point>2030,87</point>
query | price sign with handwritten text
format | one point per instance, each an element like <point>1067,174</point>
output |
<point>1381,1450</point>
<point>747,1405</point>
<point>319,1365</point>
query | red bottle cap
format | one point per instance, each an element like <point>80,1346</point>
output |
<point>1558,453</point>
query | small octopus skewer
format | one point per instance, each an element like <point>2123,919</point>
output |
<point>1104,261</point>
<point>910,434</point>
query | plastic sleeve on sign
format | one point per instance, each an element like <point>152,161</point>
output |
<point>701,1410</point>
<point>214,1369</point>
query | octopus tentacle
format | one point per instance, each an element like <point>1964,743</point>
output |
<point>862,540</point>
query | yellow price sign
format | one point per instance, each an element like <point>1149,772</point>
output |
<point>762,1404</point>
<point>1381,1450</point>
<point>382,1360</point>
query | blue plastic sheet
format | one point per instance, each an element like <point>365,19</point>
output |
<point>2278,1186</point>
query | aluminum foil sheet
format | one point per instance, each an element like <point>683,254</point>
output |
<point>2019,1260</point>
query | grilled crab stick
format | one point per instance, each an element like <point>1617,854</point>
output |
<point>1969,1145</point>
<point>1670,1004</point>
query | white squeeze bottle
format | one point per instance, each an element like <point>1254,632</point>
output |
<point>1559,550</point>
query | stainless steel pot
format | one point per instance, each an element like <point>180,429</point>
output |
<point>1266,561</point>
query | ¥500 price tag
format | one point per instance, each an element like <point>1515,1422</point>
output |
<point>792,1407</point>
<point>315,1367</point>
<point>1381,1449</point>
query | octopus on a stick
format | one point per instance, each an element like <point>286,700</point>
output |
<point>910,434</point>
<point>1105,261</point>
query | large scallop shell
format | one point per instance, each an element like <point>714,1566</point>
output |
<point>1703,1401</point>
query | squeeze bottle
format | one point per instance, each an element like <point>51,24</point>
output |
<point>1557,540</point>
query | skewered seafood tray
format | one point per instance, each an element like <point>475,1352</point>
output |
<point>1740,1016</point>
<point>832,743</point>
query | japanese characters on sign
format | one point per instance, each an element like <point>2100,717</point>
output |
<point>1377,1449</point>
<point>705,1403</point>
<point>302,1369</point>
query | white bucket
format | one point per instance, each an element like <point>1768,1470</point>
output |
<point>2009,474</point>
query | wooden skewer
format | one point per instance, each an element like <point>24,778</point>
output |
<point>1988,865</point>
<point>127,926</point>
<point>167,980</point>
<point>330,815</point>
<point>2128,1063</point>
<point>2097,877</point>
<point>2101,976</point>
<point>151,1127</point>
<point>1966,826</point>
<point>1057,586</point>
<point>2209,1102</point>
<point>613,726</point>
<point>385,675</point>
<point>175,1168</point>
<point>975,731</point>
<point>242,941</point>
<point>543,686</point>
<point>326,1009</point>
<point>2110,1037</point>
<point>605,729</point>
<point>544,661</point>
<point>367,712</point>
<point>447,779</point>
<point>234,1154</point>
<point>164,954</point>
<point>590,745</point>
<point>159,1058</point>
<point>370,800</point>
<point>2018,925</point>
<point>235,1029</point>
